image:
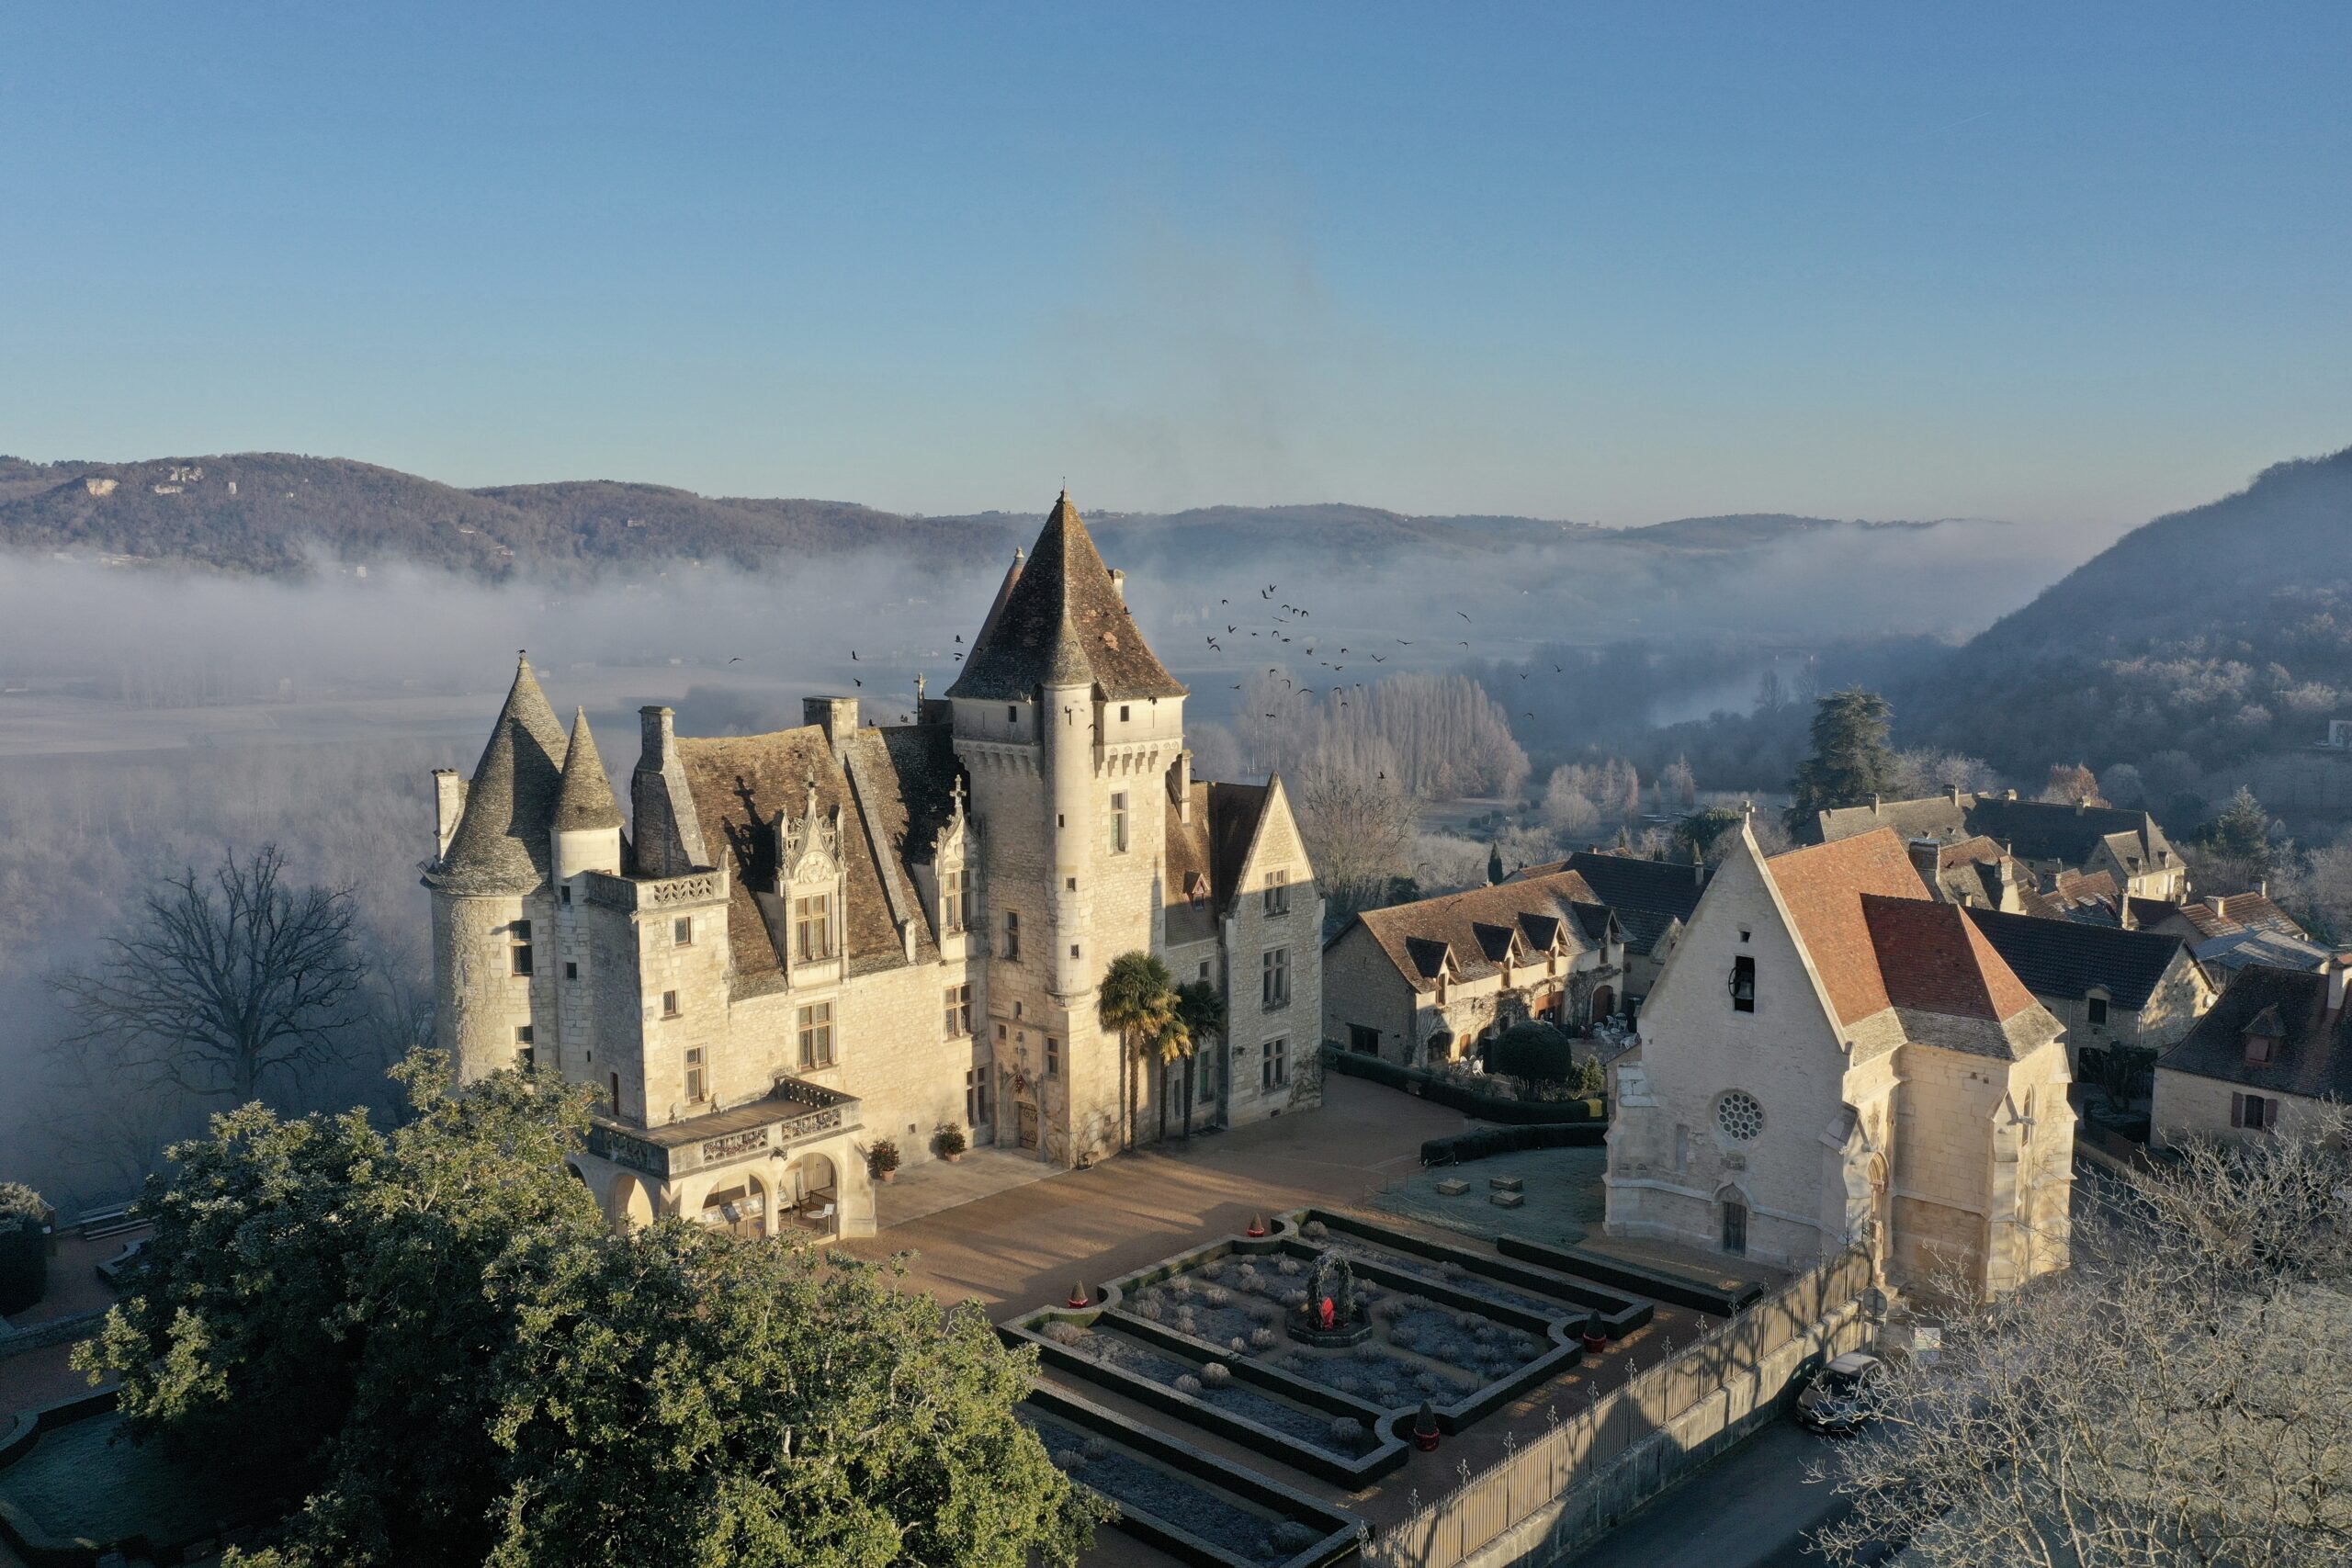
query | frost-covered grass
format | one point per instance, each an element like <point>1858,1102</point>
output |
<point>1212,1383</point>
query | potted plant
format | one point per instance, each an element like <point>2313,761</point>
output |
<point>1425,1429</point>
<point>882,1160</point>
<point>948,1142</point>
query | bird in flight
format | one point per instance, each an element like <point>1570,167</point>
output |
<point>853,654</point>
<point>1379,659</point>
<point>737,659</point>
<point>959,636</point>
<point>855,681</point>
<point>1463,614</point>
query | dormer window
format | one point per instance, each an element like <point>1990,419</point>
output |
<point>2257,1048</point>
<point>1197,886</point>
<point>954,899</point>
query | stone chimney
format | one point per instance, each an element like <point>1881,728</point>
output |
<point>2338,968</point>
<point>2123,915</point>
<point>448,806</point>
<point>1119,585</point>
<point>1955,794</point>
<point>837,716</point>
<point>1873,806</point>
<point>1925,854</point>
<point>669,830</point>
<point>1180,780</point>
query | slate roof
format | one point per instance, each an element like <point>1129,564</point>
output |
<point>585,799</point>
<point>2035,830</point>
<point>500,843</point>
<point>1648,896</point>
<point>741,784</point>
<point>1064,622</point>
<point>2236,950</point>
<point>1475,927</point>
<point>2064,958</point>
<point>2313,1059</point>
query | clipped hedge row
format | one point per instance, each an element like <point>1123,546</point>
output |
<point>1439,1089</point>
<point>1489,1141</point>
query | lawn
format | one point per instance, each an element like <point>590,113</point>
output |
<point>1565,1199</point>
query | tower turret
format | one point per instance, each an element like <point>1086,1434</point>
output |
<point>587,819</point>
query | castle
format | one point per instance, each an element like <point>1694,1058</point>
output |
<point>801,945</point>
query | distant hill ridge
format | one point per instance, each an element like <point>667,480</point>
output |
<point>276,514</point>
<point>2219,632</point>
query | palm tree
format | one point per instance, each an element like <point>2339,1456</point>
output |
<point>1138,1000</point>
<point>1202,1010</point>
<point>1174,1040</point>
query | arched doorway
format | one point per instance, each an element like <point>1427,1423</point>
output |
<point>813,1191</point>
<point>632,1205</point>
<point>739,1207</point>
<point>1604,1002</point>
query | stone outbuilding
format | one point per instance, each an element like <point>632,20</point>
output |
<point>2272,1051</point>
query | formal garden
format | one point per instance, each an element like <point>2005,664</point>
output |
<point>1332,1344</point>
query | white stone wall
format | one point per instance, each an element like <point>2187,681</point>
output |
<point>1360,985</point>
<point>1668,1157</point>
<point>2190,1106</point>
<point>479,1001</point>
<point>1250,933</point>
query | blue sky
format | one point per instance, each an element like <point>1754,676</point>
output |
<point>2067,265</point>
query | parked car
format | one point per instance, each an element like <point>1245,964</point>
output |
<point>1834,1400</point>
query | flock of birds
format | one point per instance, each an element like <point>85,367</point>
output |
<point>1285,625</point>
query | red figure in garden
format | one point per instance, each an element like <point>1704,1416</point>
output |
<point>1330,1314</point>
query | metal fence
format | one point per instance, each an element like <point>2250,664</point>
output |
<point>1582,1444</point>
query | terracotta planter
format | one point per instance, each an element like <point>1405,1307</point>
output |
<point>890,1174</point>
<point>953,1159</point>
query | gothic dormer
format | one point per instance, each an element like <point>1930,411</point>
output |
<point>955,901</point>
<point>811,882</point>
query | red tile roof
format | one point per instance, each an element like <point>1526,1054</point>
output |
<point>1933,959</point>
<point>1822,887</point>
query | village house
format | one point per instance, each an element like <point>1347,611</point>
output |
<point>1651,899</point>
<point>2269,1054</point>
<point>1424,984</point>
<point>2048,837</point>
<point>1833,1057</point>
<point>2109,986</point>
<point>799,944</point>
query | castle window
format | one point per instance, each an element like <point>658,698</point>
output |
<point>955,909</point>
<point>1278,892</point>
<point>1274,973</point>
<point>1000,1032</point>
<point>572,971</point>
<point>566,893</point>
<point>613,1104</point>
<point>518,952</point>
<point>1743,984</point>
<point>812,927</point>
<point>1273,1064</point>
<point>2095,1009</point>
<point>1118,824</point>
<point>976,1097</point>
<point>1011,714</point>
<point>958,1021</point>
<point>695,1085</point>
<point>1011,936</point>
<point>682,932</point>
<point>1073,949</point>
<point>1122,713</point>
<point>1053,1057</point>
<point>816,1030</point>
<point>526,1055</point>
<point>669,1004</point>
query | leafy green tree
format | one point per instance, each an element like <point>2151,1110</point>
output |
<point>1850,760</point>
<point>1137,1001</point>
<point>1201,1009</point>
<point>1696,833</point>
<point>430,1334</point>
<point>693,1397</point>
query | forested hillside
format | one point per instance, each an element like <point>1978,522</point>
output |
<point>2220,632</point>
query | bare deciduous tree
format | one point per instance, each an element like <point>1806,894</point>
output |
<point>226,981</point>
<point>1358,817</point>
<point>2179,1397</point>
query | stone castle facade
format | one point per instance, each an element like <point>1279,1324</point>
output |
<point>799,944</point>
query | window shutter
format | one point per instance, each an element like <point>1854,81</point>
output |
<point>2237,1108</point>
<point>2270,1112</point>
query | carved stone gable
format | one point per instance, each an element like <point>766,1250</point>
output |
<point>810,845</point>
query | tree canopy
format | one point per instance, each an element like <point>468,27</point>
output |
<point>1850,760</point>
<point>431,1336</point>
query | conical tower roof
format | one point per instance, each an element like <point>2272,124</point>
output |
<point>1063,623</point>
<point>501,844</point>
<point>585,800</point>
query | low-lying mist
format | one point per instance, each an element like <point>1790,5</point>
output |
<point>151,719</point>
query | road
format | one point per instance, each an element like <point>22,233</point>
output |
<point>1751,1509</point>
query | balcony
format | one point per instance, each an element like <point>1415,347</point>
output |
<point>790,1114</point>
